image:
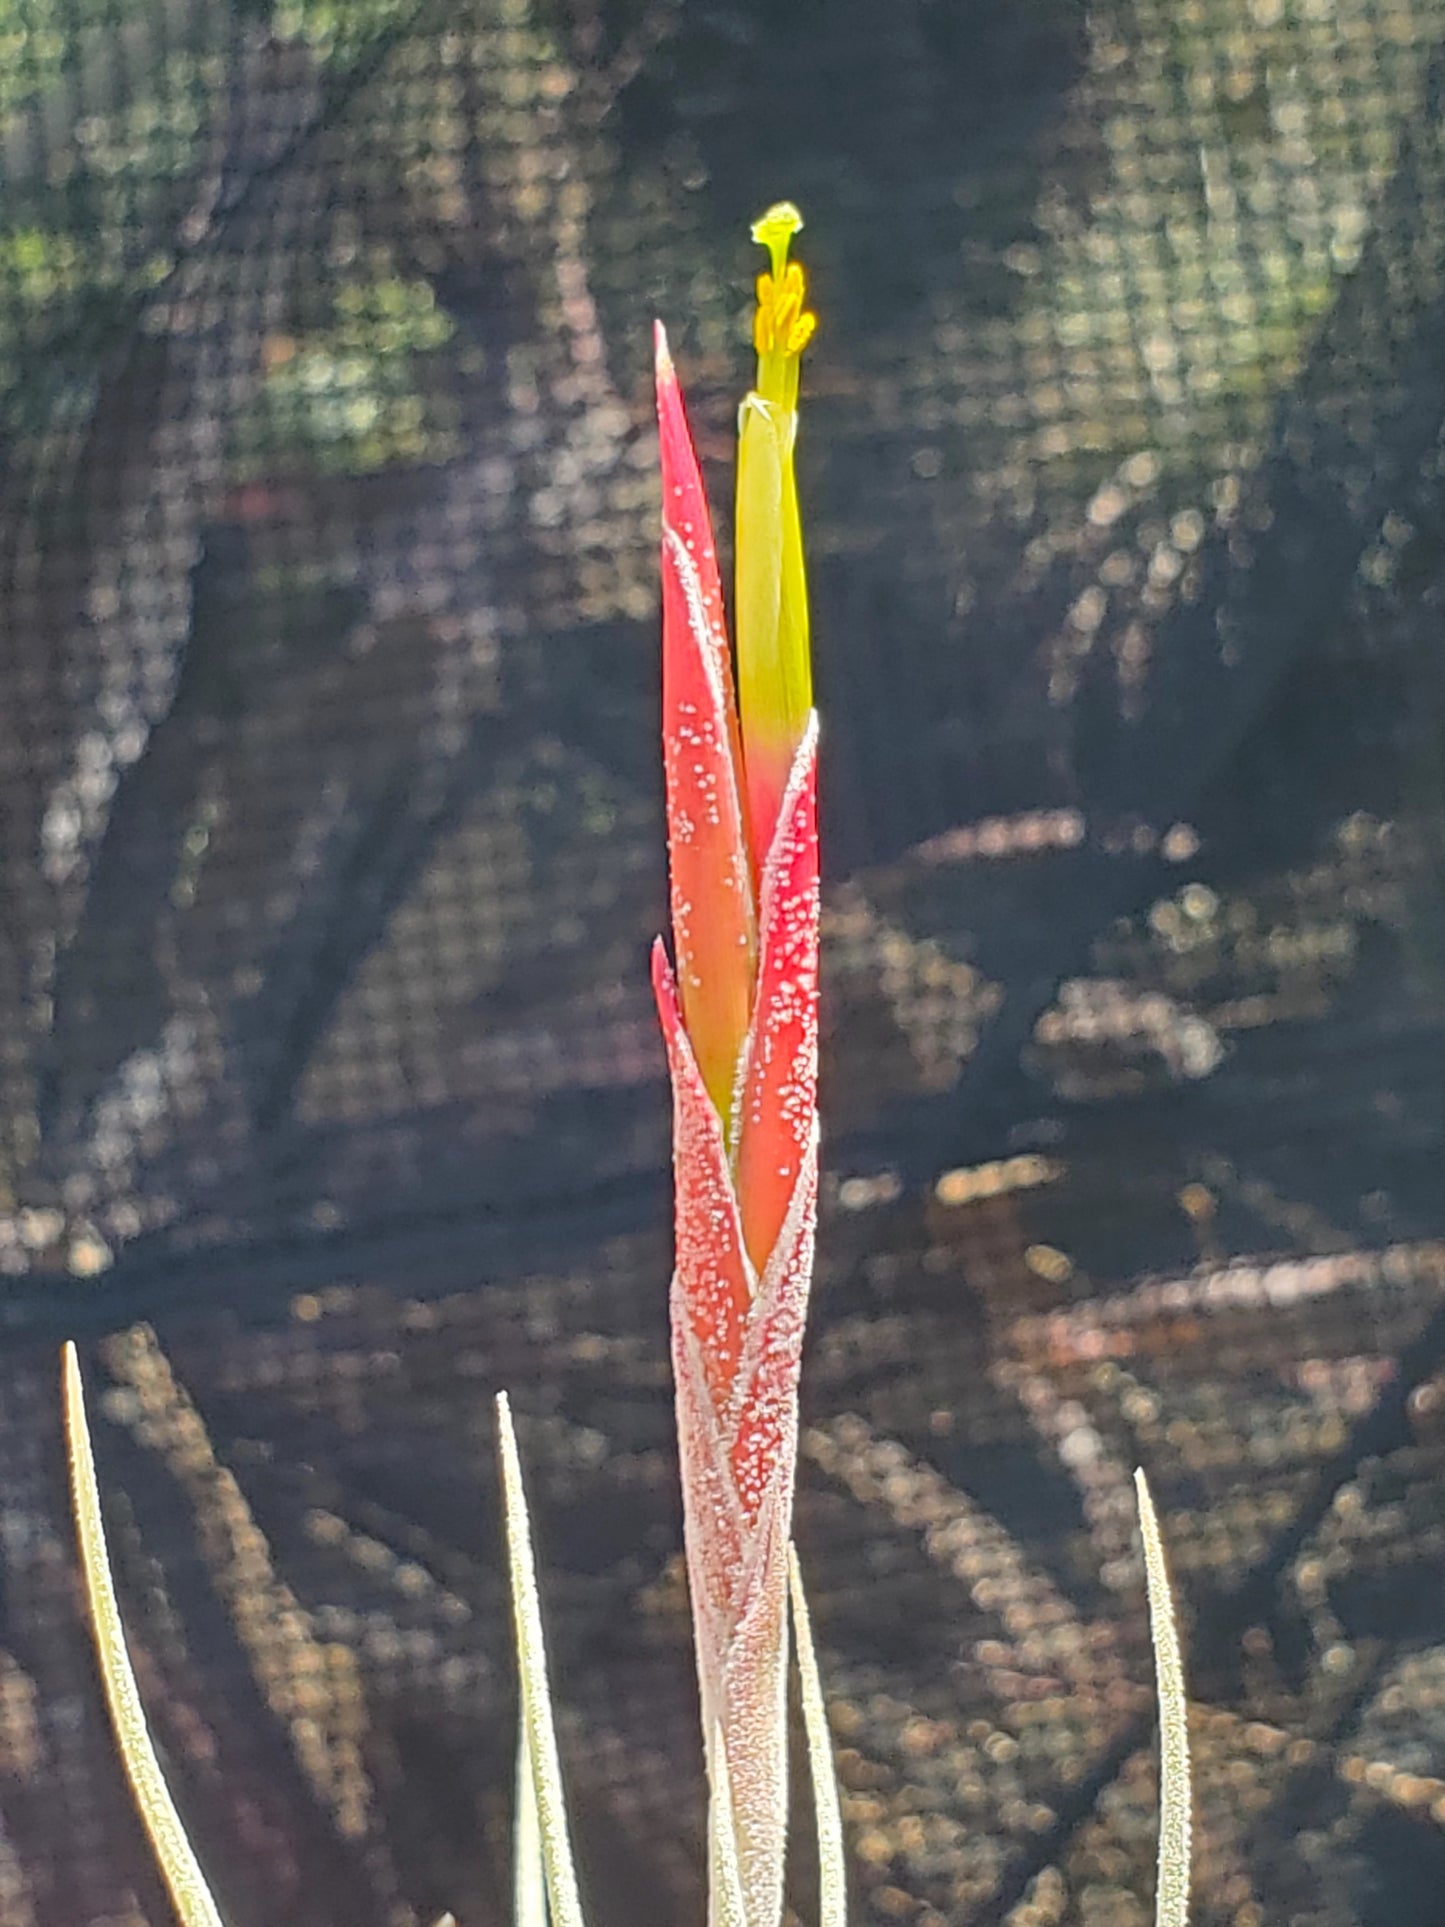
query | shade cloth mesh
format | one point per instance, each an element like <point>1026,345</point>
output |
<point>331,845</point>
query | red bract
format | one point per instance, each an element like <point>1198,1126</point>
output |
<point>741,1023</point>
<point>713,919</point>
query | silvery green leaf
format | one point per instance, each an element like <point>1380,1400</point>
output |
<point>726,1906</point>
<point>539,1738</point>
<point>189,1893</point>
<point>832,1868</point>
<point>1175,1787</point>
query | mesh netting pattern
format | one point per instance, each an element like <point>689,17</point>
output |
<point>331,846</point>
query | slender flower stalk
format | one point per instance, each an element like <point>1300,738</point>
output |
<point>740,1018</point>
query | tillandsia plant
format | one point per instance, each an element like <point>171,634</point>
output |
<point>740,1016</point>
<point>739,1013</point>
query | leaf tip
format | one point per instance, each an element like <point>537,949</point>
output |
<point>1175,1774</point>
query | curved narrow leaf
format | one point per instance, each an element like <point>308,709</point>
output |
<point>189,1893</point>
<point>832,1868</point>
<point>1175,1788</point>
<point>539,1738</point>
<point>529,1872</point>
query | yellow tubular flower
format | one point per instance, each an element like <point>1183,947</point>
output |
<point>775,684</point>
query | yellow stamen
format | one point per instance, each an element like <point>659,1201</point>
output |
<point>782,327</point>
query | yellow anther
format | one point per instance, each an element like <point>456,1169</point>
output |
<point>781,323</point>
<point>763,317</point>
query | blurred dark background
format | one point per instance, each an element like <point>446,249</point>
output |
<point>331,847</point>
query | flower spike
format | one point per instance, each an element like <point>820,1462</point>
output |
<point>740,1019</point>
